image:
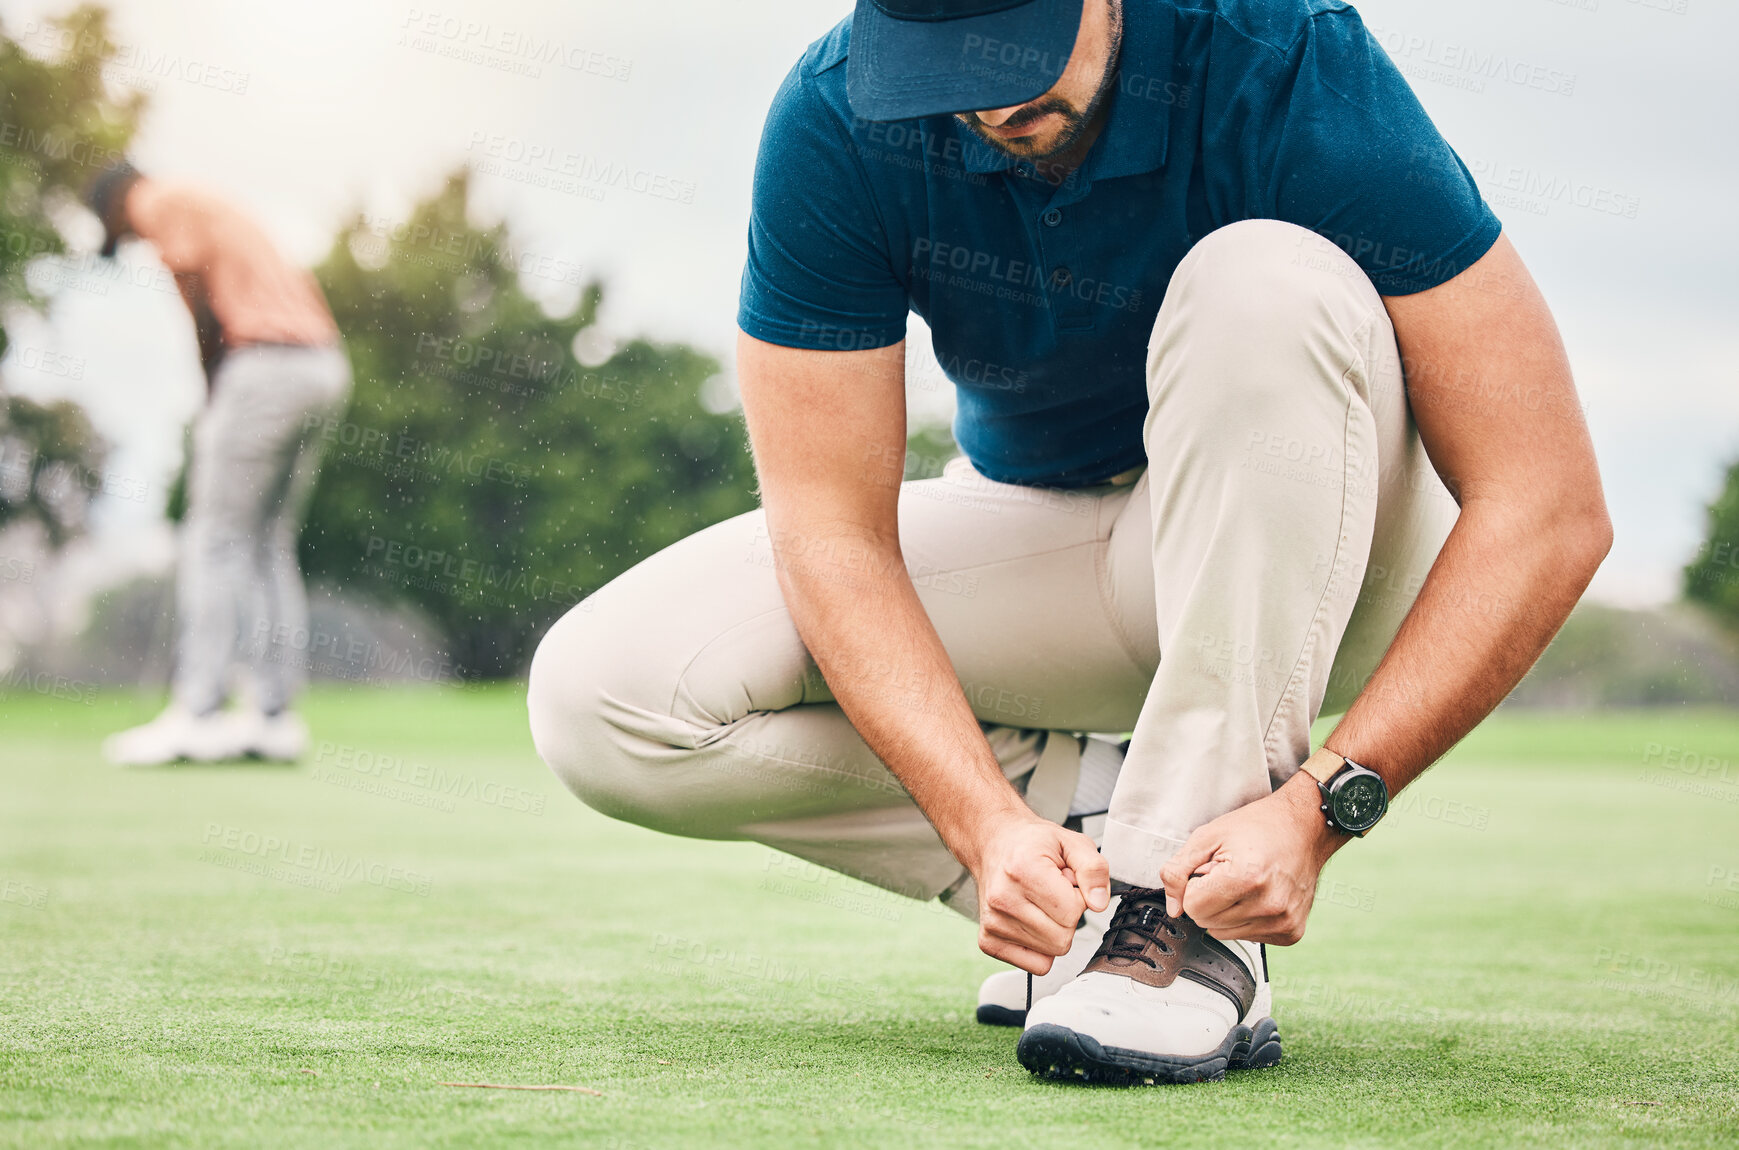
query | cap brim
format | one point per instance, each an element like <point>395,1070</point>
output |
<point>906,69</point>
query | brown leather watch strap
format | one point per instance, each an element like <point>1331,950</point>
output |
<point>1323,765</point>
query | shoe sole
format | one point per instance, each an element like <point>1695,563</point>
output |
<point>990,1015</point>
<point>1058,1053</point>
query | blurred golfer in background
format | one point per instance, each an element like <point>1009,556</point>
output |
<point>274,370</point>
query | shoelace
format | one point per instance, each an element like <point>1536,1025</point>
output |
<point>1141,914</point>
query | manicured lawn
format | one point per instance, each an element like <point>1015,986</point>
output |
<point>1539,948</point>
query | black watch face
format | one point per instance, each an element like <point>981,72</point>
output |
<point>1360,801</point>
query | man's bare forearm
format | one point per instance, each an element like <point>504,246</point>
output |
<point>1503,585</point>
<point>1489,383</point>
<point>858,613</point>
<point>832,511</point>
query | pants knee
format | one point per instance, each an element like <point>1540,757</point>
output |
<point>1270,272</point>
<point>1261,293</point>
<point>568,699</point>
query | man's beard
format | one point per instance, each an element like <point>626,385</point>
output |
<point>1075,120</point>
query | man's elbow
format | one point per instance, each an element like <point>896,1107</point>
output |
<point>1585,534</point>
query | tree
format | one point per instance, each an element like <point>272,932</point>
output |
<point>484,472</point>
<point>58,127</point>
<point>49,460</point>
<point>1712,577</point>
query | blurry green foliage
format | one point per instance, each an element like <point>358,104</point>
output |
<point>49,460</point>
<point>1712,577</point>
<point>59,125</point>
<point>483,473</point>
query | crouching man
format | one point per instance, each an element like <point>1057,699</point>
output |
<point>1262,418</point>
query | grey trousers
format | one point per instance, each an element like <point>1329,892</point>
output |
<point>1255,572</point>
<point>256,451</point>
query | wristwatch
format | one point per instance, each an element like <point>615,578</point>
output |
<point>1354,798</point>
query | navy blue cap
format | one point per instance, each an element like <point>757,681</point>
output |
<point>913,58</point>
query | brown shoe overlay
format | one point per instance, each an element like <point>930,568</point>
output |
<point>1155,949</point>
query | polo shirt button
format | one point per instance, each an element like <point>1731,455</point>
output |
<point>1052,217</point>
<point>1022,170</point>
<point>1061,277</point>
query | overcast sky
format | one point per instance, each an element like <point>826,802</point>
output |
<point>1613,173</point>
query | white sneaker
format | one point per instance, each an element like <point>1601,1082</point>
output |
<point>178,735</point>
<point>282,737</point>
<point>1003,997</point>
<point>1160,1001</point>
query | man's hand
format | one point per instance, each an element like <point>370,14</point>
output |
<point>829,432</point>
<point>1034,880</point>
<point>1251,874</point>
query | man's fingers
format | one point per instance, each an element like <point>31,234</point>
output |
<point>1176,873</point>
<point>1010,910</point>
<point>1047,884</point>
<point>1210,896</point>
<point>1092,874</point>
<point>1030,961</point>
<point>1027,928</point>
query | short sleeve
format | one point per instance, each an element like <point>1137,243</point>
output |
<point>1356,159</point>
<point>818,274</point>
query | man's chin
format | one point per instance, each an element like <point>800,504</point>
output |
<point>1039,147</point>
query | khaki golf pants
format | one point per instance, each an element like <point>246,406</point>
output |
<point>1251,575</point>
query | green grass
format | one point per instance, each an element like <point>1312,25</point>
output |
<point>1461,984</point>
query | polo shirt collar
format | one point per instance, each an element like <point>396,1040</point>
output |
<point>1134,138</point>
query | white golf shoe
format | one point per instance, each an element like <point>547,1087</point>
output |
<point>1160,1001</point>
<point>178,735</point>
<point>282,737</point>
<point>1003,997</point>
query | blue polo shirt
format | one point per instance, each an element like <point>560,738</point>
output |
<point>1040,299</point>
